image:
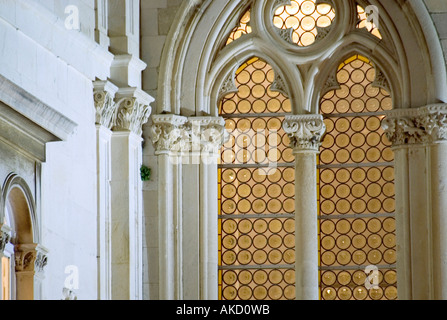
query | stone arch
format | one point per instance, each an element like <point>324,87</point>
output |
<point>408,25</point>
<point>18,198</point>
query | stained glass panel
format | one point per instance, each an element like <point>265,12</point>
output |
<point>356,189</point>
<point>256,191</point>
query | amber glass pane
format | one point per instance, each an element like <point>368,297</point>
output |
<point>356,187</point>
<point>363,23</point>
<point>304,16</point>
<point>256,191</point>
<point>241,29</point>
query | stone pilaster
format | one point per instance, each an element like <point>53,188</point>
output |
<point>418,138</point>
<point>305,133</point>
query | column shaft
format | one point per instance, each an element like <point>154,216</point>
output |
<point>306,227</point>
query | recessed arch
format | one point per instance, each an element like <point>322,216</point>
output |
<point>18,197</point>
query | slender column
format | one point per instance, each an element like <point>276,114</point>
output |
<point>126,190</point>
<point>39,268</point>
<point>305,133</point>
<point>170,137</point>
<point>106,108</point>
<point>418,137</point>
<point>208,135</point>
<point>25,256</point>
<point>435,123</point>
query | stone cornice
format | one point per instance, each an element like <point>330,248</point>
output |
<point>305,132</point>
<point>425,125</point>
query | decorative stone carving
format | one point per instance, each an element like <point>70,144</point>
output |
<point>105,106</point>
<point>4,239</point>
<point>381,80</point>
<point>305,132</point>
<point>169,133</point>
<point>279,85</point>
<point>133,110</point>
<point>228,85</point>
<point>25,257</point>
<point>285,34</point>
<point>331,83</point>
<point>323,32</point>
<point>41,260</point>
<point>208,134</point>
<point>416,126</point>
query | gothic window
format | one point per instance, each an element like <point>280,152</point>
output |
<point>305,17</point>
<point>256,183</point>
<point>356,185</point>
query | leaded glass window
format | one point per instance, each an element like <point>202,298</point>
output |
<point>356,185</point>
<point>256,183</point>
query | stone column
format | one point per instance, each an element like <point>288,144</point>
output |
<point>171,139</point>
<point>25,255</point>
<point>435,123</point>
<point>39,269</point>
<point>418,138</point>
<point>208,136</point>
<point>106,108</point>
<point>126,192</point>
<point>305,133</point>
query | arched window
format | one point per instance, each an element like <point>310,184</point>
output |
<point>22,252</point>
<point>356,184</point>
<point>256,186</point>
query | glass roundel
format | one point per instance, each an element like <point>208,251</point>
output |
<point>356,188</point>
<point>256,191</point>
<point>304,17</point>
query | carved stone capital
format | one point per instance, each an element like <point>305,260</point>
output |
<point>208,134</point>
<point>169,133</point>
<point>41,259</point>
<point>424,125</point>
<point>105,106</point>
<point>305,132</point>
<point>25,257</point>
<point>133,110</point>
<point>5,237</point>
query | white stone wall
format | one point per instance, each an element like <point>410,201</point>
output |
<point>57,66</point>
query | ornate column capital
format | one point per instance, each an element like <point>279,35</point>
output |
<point>305,132</point>
<point>133,110</point>
<point>208,134</point>
<point>41,259</point>
<point>25,257</point>
<point>426,125</point>
<point>169,133</point>
<point>5,237</point>
<point>105,106</point>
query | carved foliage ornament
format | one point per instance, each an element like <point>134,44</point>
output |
<point>305,132</point>
<point>416,126</point>
<point>179,134</point>
<point>131,115</point>
<point>4,239</point>
<point>105,108</point>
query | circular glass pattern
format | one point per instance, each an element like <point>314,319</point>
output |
<point>304,16</point>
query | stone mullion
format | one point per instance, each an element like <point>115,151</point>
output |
<point>305,133</point>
